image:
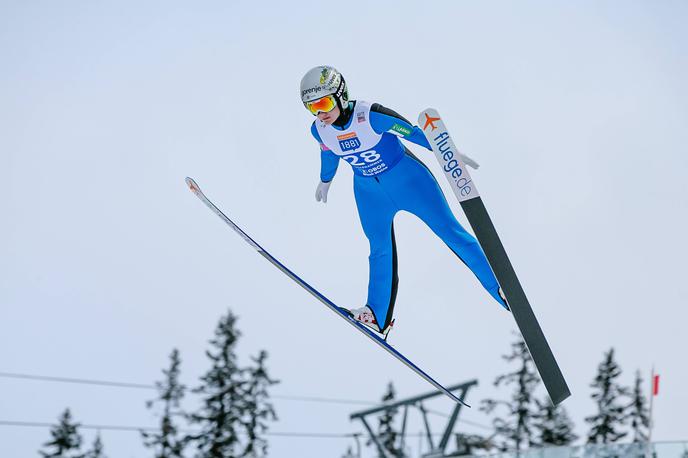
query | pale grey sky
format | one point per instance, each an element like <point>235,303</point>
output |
<point>576,112</point>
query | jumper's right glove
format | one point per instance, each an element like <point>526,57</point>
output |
<point>321,191</point>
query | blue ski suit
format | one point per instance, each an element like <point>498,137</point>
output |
<point>389,178</point>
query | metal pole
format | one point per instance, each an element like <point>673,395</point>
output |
<point>380,448</point>
<point>652,395</point>
<point>450,425</point>
<point>403,428</point>
<point>358,446</point>
<point>427,426</point>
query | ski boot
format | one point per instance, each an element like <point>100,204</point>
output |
<point>506,304</point>
<point>365,316</point>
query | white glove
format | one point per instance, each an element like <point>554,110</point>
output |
<point>468,161</point>
<point>321,191</point>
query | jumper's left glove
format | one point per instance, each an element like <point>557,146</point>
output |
<point>468,161</point>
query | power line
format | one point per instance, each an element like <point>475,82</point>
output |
<point>327,400</point>
<point>472,423</point>
<point>36,424</point>
<point>47,378</point>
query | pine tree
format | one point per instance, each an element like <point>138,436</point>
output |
<point>387,435</point>
<point>258,409</point>
<point>607,393</point>
<point>638,413</point>
<point>515,431</point>
<point>222,393</point>
<point>168,443</point>
<point>97,450</point>
<point>66,440</point>
<point>553,425</point>
<point>469,444</point>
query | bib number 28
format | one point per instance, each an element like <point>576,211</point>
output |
<point>366,157</point>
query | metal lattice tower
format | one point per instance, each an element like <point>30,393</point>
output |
<point>436,450</point>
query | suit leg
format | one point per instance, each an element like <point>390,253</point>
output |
<point>376,211</point>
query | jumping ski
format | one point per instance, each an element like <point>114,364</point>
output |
<point>342,313</point>
<point>451,162</point>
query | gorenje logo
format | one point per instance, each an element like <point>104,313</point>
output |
<point>313,89</point>
<point>452,167</point>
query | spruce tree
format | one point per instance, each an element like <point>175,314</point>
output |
<point>387,435</point>
<point>553,425</point>
<point>469,444</point>
<point>168,443</point>
<point>258,409</point>
<point>97,449</point>
<point>66,440</point>
<point>638,412</point>
<point>607,392</point>
<point>516,430</point>
<point>222,396</point>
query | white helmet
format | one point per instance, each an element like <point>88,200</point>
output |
<point>321,81</point>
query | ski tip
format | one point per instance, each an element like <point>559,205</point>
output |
<point>560,397</point>
<point>192,184</point>
<point>427,119</point>
<point>461,401</point>
<point>456,398</point>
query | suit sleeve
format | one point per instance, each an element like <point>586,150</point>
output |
<point>328,160</point>
<point>383,119</point>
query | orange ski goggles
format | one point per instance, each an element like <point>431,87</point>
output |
<point>325,105</point>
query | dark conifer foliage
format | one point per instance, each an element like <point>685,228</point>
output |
<point>387,434</point>
<point>472,444</point>
<point>553,425</point>
<point>97,450</point>
<point>66,439</point>
<point>515,430</point>
<point>168,442</point>
<point>257,406</point>
<point>606,425</point>
<point>222,396</point>
<point>638,413</point>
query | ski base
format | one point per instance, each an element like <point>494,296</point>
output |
<point>341,312</point>
<point>463,186</point>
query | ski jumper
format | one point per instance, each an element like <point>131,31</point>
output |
<point>389,178</point>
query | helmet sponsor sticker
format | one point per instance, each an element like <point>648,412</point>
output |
<point>323,75</point>
<point>311,90</point>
